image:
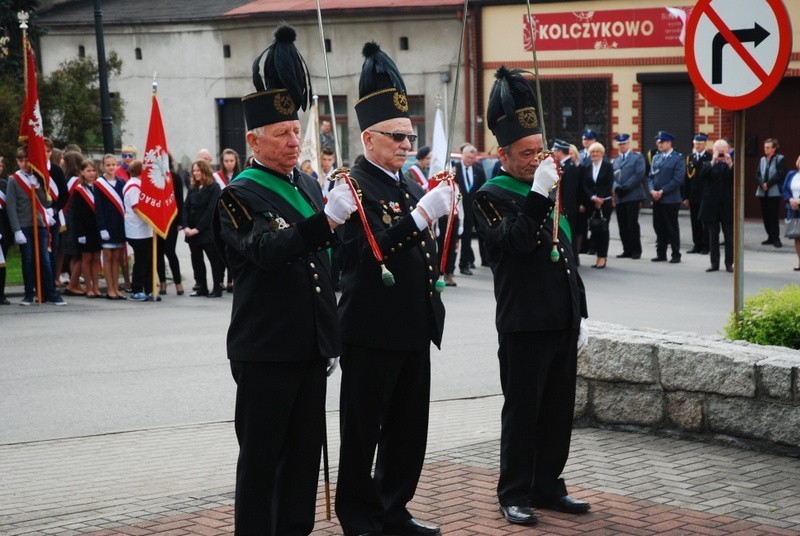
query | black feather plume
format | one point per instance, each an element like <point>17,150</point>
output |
<point>284,67</point>
<point>510,92</point>
<point>378,72</point>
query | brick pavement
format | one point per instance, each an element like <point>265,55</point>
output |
<point>179,481</point>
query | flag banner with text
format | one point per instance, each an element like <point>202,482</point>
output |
<point>157,198</point>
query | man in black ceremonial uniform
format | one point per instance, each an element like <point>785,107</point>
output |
<point>272,230</point>
<point>541,305</point>
<point>387,329</point>
<point>693,189</point>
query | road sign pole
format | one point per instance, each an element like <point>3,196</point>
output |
<point>738,212</point>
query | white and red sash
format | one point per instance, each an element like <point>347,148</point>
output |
<point>86,194</point>
<point>221,178</point>
<point>419,176</point>
<point>72,183</point>
<point>111,194</point>
<point>133,182</point>
<point>22,180</point>
<point>2,199</point>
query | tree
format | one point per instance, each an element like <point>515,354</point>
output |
<point>70,102</point>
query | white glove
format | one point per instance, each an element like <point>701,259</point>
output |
<point>460,226</point>
<point>583,337</point>
<point>19,238</point>
<point>51,219</point>
<point>546,177</point>
<point>81,240</point>
<point>104,235</point>
<point>333,364</point>
<point>436,203</point>
<point>340,203</point>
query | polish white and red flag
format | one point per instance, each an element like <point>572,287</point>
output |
<point>157,196</point>
<point>31,130</point>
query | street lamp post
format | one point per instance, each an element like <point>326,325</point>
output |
<point>105,100</point>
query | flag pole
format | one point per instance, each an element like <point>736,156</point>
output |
<point>22,16</point>
<point>155,235</point>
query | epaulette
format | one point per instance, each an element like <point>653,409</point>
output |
<point>237,211</point>
<point>489,212</point>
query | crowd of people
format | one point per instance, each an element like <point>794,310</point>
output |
<point>87,227</point>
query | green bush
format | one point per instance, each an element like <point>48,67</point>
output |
<point>770,317</point>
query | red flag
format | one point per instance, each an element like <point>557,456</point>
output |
<point>31,131</point>
<point>157,198</point>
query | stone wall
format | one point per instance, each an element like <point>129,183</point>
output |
<point>690,384</point>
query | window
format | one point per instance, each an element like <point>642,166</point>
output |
<point>416,111</point>
<point>328,46</point>
<point>404,43</point>
<point>81,51</point>
<point>138,53</point>
<point>572,106</point>
<point>226,51</point>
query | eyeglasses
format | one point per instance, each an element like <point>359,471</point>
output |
<point>128,155</point>
<point>399,137</point>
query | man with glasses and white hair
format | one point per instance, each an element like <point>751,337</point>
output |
<point>387,329</point>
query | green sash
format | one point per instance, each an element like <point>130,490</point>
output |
<point>281,187</point>
<point>522,188</point>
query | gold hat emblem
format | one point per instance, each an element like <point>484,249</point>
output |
<point>283,103</point>
<point>400,101</point>
<point>527,118</point>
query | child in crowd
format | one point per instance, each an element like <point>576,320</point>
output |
<point>111,222</point>
<point>72,171</point>
<point>139,235</point>
<point>85,232</point>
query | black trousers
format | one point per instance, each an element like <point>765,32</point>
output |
<point>384,404</point>
<point>713,228</point>
<point>699,234</point>
<point>600,239</point>
<point>166,247</point>
<point>142,271</point>
<point>630,234</point>
<point>537,373</point>
<point>451,254</point>
<point>280,422</point>
<point>199,266</point>
<point>668,233</point>
<point>467,255</point>
<point>770,210</point>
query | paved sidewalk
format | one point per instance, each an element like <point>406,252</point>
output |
<point>179,481</point>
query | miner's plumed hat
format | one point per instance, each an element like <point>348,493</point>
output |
<point>282,87</point>
<point>381,90</point>
<point>511,113</point>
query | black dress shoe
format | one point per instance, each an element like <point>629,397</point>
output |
<point>712,269</point>
<point>675,260</point>
<point>766,242</point>
<point>466,271</point>
<point>566,504</point>
<point>412,527</point>
<point>519,515</point>
<point>472,265</point>
<point>694,250</point>
<point>658,259</point>
<point>624,255</point>
<point>197,293</point>
<point>215,294</point>
<point>704,252</point>
<point>636,256</point>
<point>778,243</point>
<point>729,269</point>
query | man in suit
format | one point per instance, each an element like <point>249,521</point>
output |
<point>629,169</point>
<point>274,231</point>
<point>390,312</point>
<point>664,183</point>
<point>716,209</point>
<point>693,192</point>
<point>587,138</point>
<point>470,176</point>
<point>540,307</point>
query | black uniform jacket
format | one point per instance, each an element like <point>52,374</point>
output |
<point>693,186</point>
<point>717,200</point>
<point>284,306</point>
<point>533,293</point>
<point>408,315</point>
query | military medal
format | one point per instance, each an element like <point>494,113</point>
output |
<point>386,219</point>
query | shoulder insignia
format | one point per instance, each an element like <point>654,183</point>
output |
<point>237,211</point>
<point>276,221</point>
<point>489,212</point>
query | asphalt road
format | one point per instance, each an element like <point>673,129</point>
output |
<point>100,366</point>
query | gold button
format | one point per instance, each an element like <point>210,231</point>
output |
<point>312,265</point>
<point>316,277</point>
<point>427,255</point>
<point>391,249</point>
<point>328,243</point>
<point>430,281</point>
<point>415,233</point>
<point>400,245</point>
<point>422,243</point>
<point>430,294</point>
<point>318,289</point>
<point>430,268</point>
<point>568,271</point>
<point>538,242</point>
<point>408,196</point>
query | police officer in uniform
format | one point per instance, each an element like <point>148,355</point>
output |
<point>541,305</point>
<point>664,182</point>
<point>387,329</point>
<point>274,234</point>
<point>693,189</point>
<point>629,170</point>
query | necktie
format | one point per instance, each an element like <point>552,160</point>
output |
<point>469,179</point>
